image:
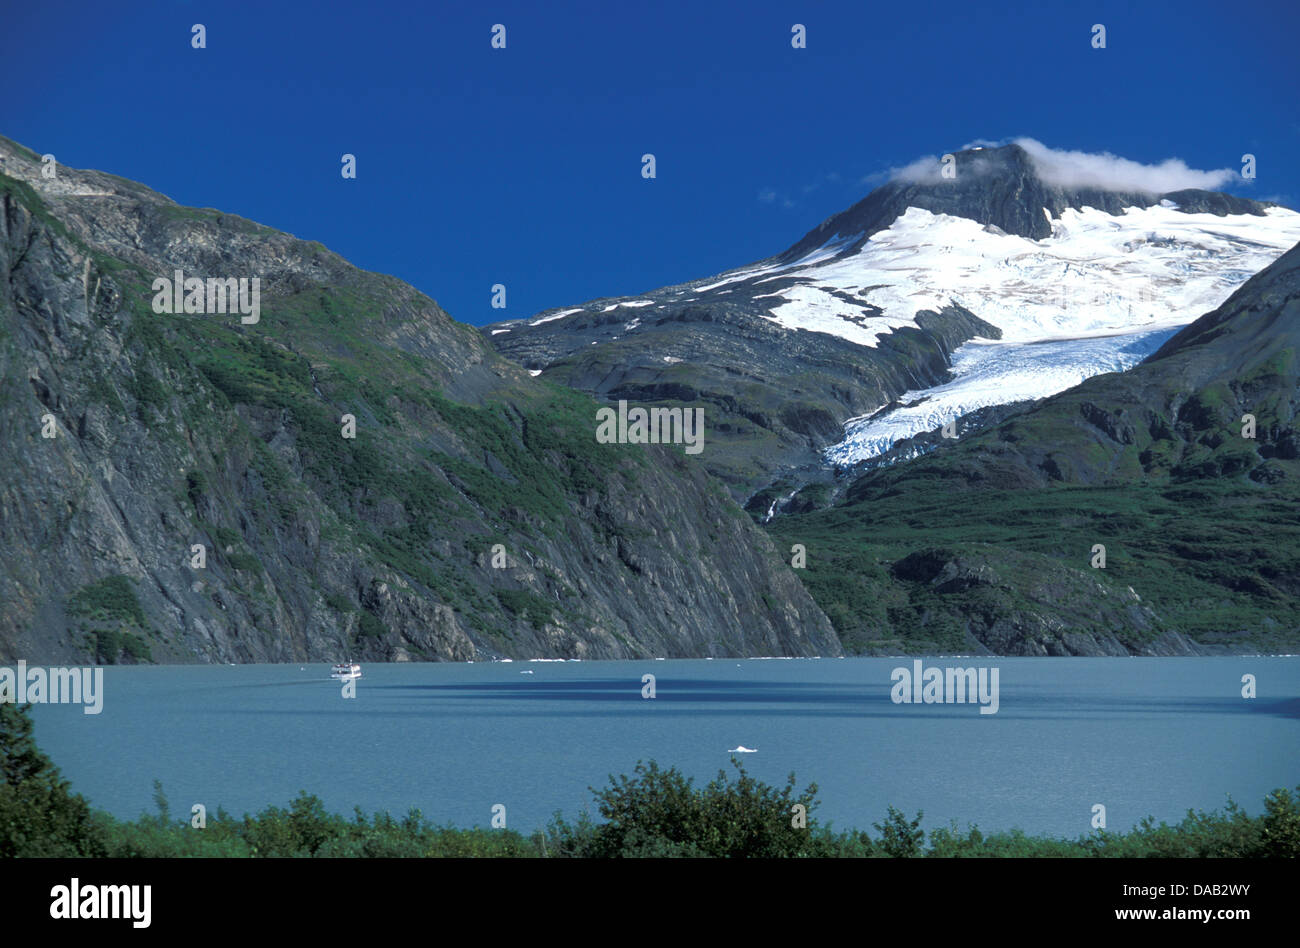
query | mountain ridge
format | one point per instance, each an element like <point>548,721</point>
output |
<point>445,530</point>
<point>999,187</point>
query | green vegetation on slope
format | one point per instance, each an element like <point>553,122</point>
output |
<point>1195,553</point>
<point>517,461</point>
<point>110,616</point>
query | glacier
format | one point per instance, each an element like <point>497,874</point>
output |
<point>992,373</point>
<point>1098,295</point>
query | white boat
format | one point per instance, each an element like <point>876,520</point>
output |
<point>346,672</point>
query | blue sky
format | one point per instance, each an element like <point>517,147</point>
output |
<point>522,166</point>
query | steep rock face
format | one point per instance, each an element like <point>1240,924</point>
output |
<point>771,397</point>
<point>472,516</point>
<point>1157,508</point>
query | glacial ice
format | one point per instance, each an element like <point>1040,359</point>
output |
<point>1097,296</point>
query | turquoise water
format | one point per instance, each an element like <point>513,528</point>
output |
<point>1141,736</point>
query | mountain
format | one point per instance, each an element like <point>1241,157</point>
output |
<point>1186,469</point>
<point>472,516</point>
<point>930,300</point>
<point>1001,187</point>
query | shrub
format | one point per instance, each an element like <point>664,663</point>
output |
<point>900,837</point>
<point>661,813</point>
<point>39,816</point>
<point>371,626</point>
<point>110,598</point>
<point>1280,834</point>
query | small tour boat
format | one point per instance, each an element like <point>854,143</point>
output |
<point>347,672</point>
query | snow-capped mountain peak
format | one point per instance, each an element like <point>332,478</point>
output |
<point>1099,294</point>
<point>932,297</point>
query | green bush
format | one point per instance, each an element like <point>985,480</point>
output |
<point>108,644</point>
<point>661,813</point>
<point>371,626</point>
<point>339,603</point>
<point>39,816</point>
<point>110,598</point>
<point>245,562</point>
<point>1280,835</point>
<point>900,837</point>
<point>527,605</point>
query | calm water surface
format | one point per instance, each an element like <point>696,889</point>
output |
<point>1142,736</point>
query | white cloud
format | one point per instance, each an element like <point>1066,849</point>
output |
<point>922,170</point>
<point>1080,169</point>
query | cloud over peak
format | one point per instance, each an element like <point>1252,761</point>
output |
<point>1081,169</point>
<point>1107,172</point>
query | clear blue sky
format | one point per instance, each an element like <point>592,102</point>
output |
<point>522,166</point>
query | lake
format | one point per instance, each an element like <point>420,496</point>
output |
<point>1142,736</point>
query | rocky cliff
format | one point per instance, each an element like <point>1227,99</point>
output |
<point>180,487</point>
